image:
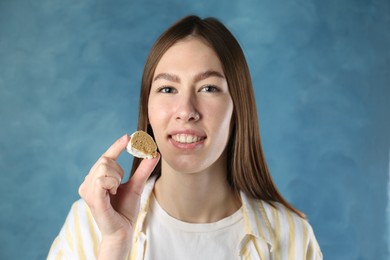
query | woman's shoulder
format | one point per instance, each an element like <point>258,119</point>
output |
<point>277,213</point>
<point>290,229</point>
<point>273,214</point>
<point>79,209</point>
<point>80,204</point>
<point>279,226</point>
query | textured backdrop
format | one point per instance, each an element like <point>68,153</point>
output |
<point>69,82</point>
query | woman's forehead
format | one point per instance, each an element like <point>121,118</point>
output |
<point>189,54</point>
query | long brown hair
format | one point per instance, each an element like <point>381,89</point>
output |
<point>247,168</point>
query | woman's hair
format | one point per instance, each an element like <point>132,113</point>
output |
<point>247,168</point>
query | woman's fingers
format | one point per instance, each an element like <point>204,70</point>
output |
<point>108,183</point>
<point>115,205</point>
<point>130,192</point>
<point>112,152</point>
<point>105,175</point>
<point>137,181</point>
<point>108,167</point>
<point>116,148</point>
<point>103,187</point>
<point>104,168</point>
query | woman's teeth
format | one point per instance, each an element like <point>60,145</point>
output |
<point>186,139</point>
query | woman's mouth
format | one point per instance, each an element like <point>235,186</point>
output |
<point>187,138</point>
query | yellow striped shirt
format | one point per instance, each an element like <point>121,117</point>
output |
<point>270,233</point>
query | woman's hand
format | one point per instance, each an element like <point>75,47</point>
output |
<point>115,205</point>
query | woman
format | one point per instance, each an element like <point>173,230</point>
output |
<point>210,196</point>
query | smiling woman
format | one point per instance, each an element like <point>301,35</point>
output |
<point>198,107</point>
<point>210,196</point>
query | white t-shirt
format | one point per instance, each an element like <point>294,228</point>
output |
<point>169,238</point>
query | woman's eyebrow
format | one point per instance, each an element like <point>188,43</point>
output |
<point>167,76</point>
<point>207,74</point>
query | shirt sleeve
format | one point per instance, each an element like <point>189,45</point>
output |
<point>79,237</point>
<point>313,251</point>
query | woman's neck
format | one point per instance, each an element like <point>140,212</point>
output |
<point>201,197</point>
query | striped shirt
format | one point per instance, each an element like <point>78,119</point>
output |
<point>270,232</point>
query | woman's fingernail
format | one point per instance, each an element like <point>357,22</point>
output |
<point>123,138</point>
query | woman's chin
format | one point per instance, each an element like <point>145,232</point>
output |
<point>185,164</point>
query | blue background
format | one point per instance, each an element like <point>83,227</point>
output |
<point>69,83</point>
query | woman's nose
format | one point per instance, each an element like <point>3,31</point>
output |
<point>187,110</point>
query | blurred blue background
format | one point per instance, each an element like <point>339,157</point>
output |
<point>69,83</point>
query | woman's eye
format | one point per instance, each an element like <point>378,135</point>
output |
<point>209,89</point>
<point>166,90</point>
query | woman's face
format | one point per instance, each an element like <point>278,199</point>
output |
<point>190,108</point>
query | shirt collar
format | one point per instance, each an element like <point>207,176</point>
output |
<point>144,205</point>
<point>257,223</point>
